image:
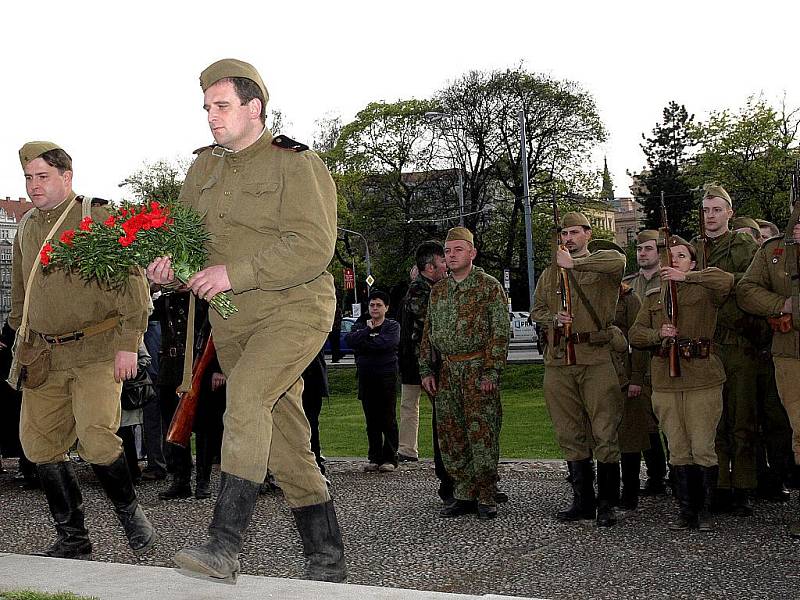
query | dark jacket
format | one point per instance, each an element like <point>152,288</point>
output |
<point>412,321</point>
<point>173,311</point>
<point>375,349</point>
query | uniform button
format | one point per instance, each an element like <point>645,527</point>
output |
<point>221,215</point>
<point>236,170</point>
<point>227,193</point>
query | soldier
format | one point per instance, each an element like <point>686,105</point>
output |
<point>431,267</point>
<point>767,229</point>
<point>270,207</point>
<point>636,420</point>
<point>467,326</point>
<point>748,226</point>
<point>770,288</point>
<point>689,406</point>
<point>736,438</point>
<point>642,281</point>
<point>583,399</point>
<point>92,334</point>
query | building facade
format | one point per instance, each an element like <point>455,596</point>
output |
<point>11,212</point>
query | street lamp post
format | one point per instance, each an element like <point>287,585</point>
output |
<point>366,246</point>
<point>523,159</point>
<point>435,117</point>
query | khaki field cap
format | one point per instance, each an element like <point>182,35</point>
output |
<point>714,190</point>
<point>459,233</point>
<point>741,222</point>
<point>647,235</point>
<point>230,67</point>
<point>677,240</point>
<point>33,150</point>
<point>574,219</point>
<point>595,245</point>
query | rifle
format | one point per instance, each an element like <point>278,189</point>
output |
<point>565,293</point>
<point>180,429</point>
<point>669,289</point>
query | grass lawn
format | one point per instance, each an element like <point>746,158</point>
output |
<point>527,431</point>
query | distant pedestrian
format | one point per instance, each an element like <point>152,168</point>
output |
<point>375,344</point>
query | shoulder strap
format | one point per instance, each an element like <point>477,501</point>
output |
<point>584,300</point>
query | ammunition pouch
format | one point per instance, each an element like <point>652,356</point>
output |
<point>687,348</point>
<point>33,358</point>
<point>618,342</point>
<point>781,323</point>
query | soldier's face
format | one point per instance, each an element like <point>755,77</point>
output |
<point>46,187</point>
<point>459,254</point>
<point>233,124</point>
<point>437,269</point>
<point>682,258</point>
<point>647,254</point>
<point>766,233</point>
<point>575,238</point>
<point>717,214</point>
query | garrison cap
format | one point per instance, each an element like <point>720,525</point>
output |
<point>33,150</point>
<point>459,233</point>
<point>676,240</point>
<point>574,219</point>
<point>595,245</point>
<point>231,67</point>
<point>647,235</point>
<point>714,190</point>
<point>741,222</point>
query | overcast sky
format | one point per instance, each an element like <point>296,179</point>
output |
<point>117,84</point>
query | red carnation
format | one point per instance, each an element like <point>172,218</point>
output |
<point>44,255</point>
<point>127,240</point>
<point>86,224</point>
<point>110,221</point>
<point>67,237</point>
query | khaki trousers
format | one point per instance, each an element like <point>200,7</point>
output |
<point>585,405</point>
<point>689,420</point>
<point>265,426</point>
<point>80,403</point>
<point>409,419</point>
<point>787,378</point>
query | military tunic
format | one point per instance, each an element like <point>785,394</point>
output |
<point>583,400</point>
<point>271,213</point>
<point>467,325</point>
<point>737,433</point>
<point>80,398</point>
<point>762,291</point>
<point>688,407</point>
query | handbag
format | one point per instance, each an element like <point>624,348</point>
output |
<point>137,392</point>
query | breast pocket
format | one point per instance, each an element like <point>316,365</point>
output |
<point>259,206</point>
<point>206,195</point>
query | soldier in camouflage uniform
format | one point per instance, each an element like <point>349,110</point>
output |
<point>643,280</point>
<point>467,327</point>
<point>583,399</point>
<point>736,436</point>
<point>770,288</point>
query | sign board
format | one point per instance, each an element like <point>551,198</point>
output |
<point>349,278</point>
<point>370,280</point>
<point>356,310</point>
<point>507,279</point>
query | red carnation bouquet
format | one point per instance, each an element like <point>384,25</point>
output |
<point>133,236</point>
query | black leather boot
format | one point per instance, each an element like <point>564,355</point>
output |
<point>581,478</point>
<point>202,489</point>
<point>631,464</point>
<point>66,505</point>
<point>118,486</point>
<point>322,542</point>
<point>687,518</point>
<point>741,503</point>
<point>219,556</point>
<point>179,487</point>
<point>607,492</point>
<point>709,477</point>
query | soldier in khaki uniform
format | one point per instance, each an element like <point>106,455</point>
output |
<point>584,399</point>
<point>736,438</point>
<point>270,207</point>
<point>642,281</point>
<point>92,333</point>
<point>689,406</point>
<point>770,288</point>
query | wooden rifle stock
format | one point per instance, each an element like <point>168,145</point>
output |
<point>564,289</point>
<point>180,429</point>
<point>671,295</point>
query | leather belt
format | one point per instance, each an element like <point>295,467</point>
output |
<point>463,357</point>
<point>74,336</point>
<point>579,338</point>
<point>687,348</point>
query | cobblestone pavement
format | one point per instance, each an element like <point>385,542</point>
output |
<point>394,537</point>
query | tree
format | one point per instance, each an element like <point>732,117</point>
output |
<point>750,152</point>
<point>667,153</point>
<point>159,180</point>
<point>607,192</point>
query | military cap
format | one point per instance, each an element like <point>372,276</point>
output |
<point>595,245</point>
<point>742,222</point>
<point>459,233</point>
<point>647,235</point>
<point>676,240</point>
<point>231,67</point>
<point>765,223</point>
<point>33,150</point>
<point>714,190</point>
<point>573,219</point>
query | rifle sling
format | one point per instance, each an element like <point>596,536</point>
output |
<point>574,283</point>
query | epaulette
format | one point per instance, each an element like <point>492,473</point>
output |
<point>631,276</point>
<point>95,201</point>
<point>289,144</point>
<point>652,291</point>
<point>204,148</point>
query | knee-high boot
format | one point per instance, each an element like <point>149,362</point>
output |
<point>66,505</point>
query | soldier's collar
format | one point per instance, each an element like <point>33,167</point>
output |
<point>60,207</point>
<point>264,138</point>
